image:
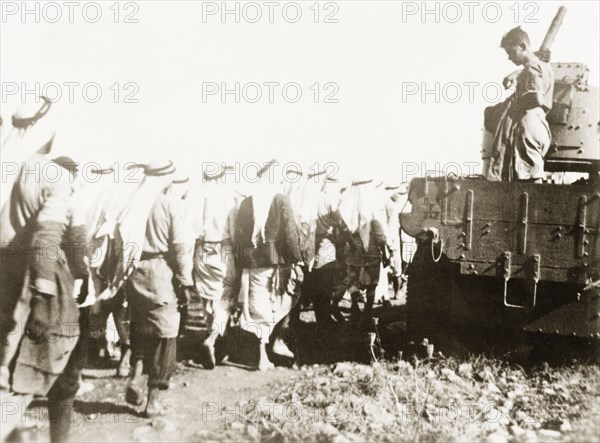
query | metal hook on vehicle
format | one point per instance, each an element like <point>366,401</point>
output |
<point>452,177</point>
<point>441,243</point>
<point>434,233</point>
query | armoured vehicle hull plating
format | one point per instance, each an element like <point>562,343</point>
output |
<point>518,256</point>
<point>515,256</point>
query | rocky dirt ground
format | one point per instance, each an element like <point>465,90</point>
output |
<point>338,391</point>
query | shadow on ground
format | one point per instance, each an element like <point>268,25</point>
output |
<point>310,342</point>
<point>89,408</point>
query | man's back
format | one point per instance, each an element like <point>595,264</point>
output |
<point>281,242</point>
<point>536,77</point>
<point>42,192</point>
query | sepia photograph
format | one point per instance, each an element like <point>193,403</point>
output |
<point>299,221</point>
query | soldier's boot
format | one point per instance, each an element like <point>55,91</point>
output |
<point>207,351</point>
<point>153,406</point>
<point>124,365</point>
<point>60,415</point>
<point>207,347</point>
<point>134,394</point>
<point>264,364</point>
<point>280,348</point>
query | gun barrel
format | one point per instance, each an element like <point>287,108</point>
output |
<point>553,30</point>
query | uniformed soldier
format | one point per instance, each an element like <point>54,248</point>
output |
<point>42,268</point>
<point>267,246</point>
<point>215,272</point>
<point>329,270</point>
<point>363,214</point>
<point>159,286</point>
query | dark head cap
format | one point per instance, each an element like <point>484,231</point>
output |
<point>213,176</point>
<point>103,171</point>
<point>361,182</point>
<point>24,118</point>
<point>180,177</point>
<point>293,171</point>
<point>319,175</point>
<point>68,163</point>
<point>158,168</point>
<point>266,167</point>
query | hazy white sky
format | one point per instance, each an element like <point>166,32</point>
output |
<point>369,61</point>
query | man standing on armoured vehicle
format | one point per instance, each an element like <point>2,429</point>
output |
<point>522,134</point>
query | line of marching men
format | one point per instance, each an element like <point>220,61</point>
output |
<point>75,250</point>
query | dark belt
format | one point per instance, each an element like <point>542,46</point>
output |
<point>200,243</point>
<point>151,255</point>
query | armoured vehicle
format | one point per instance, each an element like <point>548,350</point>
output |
<point>515,257</point>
